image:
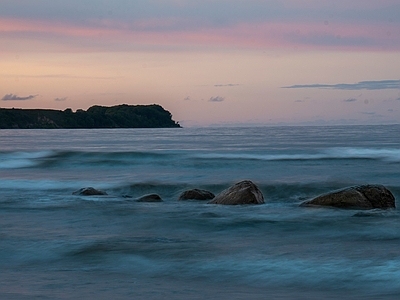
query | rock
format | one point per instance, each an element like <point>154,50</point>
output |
<point>150,198</point>
<point>244,192</point>
<point>89,191</point>
<point>196,194</point>
<point>356,197</point>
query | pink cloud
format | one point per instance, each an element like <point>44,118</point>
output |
<point>173,32</point>
<point>340,3</point>
<point>47,27</point>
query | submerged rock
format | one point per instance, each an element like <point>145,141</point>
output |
<point>244,192</point>
<point>89,191</point>
<point>196,194</point>
<point>150,198</point>
<point>356,197</point>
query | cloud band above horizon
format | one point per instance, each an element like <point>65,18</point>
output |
<point>250,24</point>
<point>362,85</point>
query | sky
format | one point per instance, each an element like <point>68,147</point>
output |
<point>210,63</point>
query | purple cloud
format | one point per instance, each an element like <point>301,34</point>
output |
<point>226,85</point>
<point>216,99</point>
<point>12,97</point>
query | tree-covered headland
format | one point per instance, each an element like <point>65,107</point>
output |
<point>120,116</point>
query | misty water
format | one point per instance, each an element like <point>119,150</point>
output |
<point>56,245</point>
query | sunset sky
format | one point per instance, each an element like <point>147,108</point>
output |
<point>207,62</point>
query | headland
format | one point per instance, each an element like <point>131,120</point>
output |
<point>119,116</point>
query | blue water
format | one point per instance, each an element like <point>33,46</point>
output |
<point>55,245</point>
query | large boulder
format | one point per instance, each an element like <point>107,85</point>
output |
<point>196,194</point>
<point>89,191</point>
<point>150,198</point>
<point>356,197</point>
<point>244,192</point>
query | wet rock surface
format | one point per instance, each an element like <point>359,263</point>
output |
<point>150,198</point>
<point>196,194</point>
<point>89,191</point>
<point>243,192</point>
<point>356,197</point>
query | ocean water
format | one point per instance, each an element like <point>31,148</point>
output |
<point>56,245</point>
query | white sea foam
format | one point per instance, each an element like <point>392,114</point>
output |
<point>366,153</point>
<point>16,160</point>
<point>331,153</point>
<point>270,157</point>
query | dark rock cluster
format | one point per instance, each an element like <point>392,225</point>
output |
<point>246,192</point>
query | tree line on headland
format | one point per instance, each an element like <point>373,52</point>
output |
<point>119,116</point>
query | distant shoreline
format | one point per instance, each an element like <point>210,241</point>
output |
<point>96,117</point>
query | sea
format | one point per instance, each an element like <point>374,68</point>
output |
<point>58,245</point>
